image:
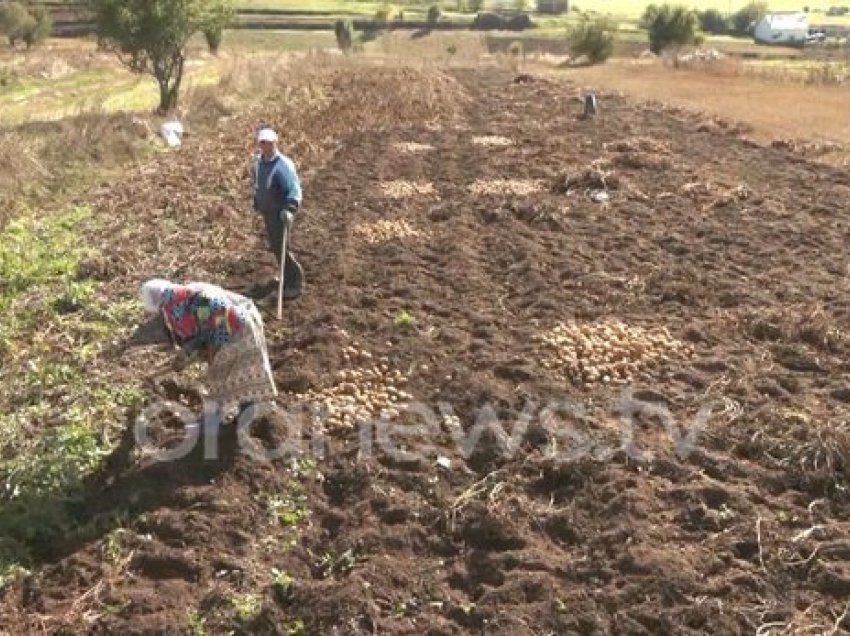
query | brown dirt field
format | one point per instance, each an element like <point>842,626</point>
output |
<point>738,251</point>
<point>773,110</point>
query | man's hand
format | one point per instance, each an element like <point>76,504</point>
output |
<point>286,216</point>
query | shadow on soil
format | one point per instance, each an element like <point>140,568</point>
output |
<point>42,530</point>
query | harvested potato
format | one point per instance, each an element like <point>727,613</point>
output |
<point>518,187</point>
<point>609,352</point>
<point>401,188</point>
<point>388,230</point>
<point>367,391</point>
<point>491,140</point>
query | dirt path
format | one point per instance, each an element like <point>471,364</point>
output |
<point>739,252</point>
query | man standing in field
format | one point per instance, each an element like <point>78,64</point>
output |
<point>277,197</point>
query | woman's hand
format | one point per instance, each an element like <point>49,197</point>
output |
<point>180,361</point>
<point>208,353</point>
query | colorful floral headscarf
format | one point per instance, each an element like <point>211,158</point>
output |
<point>196,318</point>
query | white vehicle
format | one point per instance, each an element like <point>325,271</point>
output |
<point>782,27</point>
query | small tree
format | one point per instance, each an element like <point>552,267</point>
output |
<point>150,36</point>
<point>30,27</point>
<point>344,32</point>
<point>433,15</point>
<point>593,37</point>
<point>40,27</point>
<point>648,16</point>
<point>744,20</point>
<point>13,20</point>
<point>221,16</point>
<point>712,21</point>
<point>383,13</point>
<point>672,26</point>
<point>474,6</point>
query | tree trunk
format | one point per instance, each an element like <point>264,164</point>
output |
<point>169,87</point>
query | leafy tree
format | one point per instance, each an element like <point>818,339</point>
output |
<point>593,36</point>
<point>672,26</point>
<point>150,36</point>
<point>434,13</point>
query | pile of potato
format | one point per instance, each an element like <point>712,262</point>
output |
<point>517,187</point>
<point>412,147</point>
<point>387,230</point>
<point>402,188</point>
<point>366,391</point>
<point>606,352</point>
<point>491,140</point>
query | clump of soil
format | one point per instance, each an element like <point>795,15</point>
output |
<point>639,145</point>
<point>588,179</point>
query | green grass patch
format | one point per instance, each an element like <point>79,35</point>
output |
<point>107,89</point>
<point>246,41</point>
<point>36,251</point>
<point>59,414</point>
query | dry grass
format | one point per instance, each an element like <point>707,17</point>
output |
<point>452,49</point>
<point>41,160</point>
<point>820,112</point>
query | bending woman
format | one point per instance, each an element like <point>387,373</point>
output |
<point>223,328</point>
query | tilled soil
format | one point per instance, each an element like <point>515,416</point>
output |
<point>701,490</point>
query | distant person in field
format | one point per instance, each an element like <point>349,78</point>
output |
<point>277,197</point>
<point>216,326</point>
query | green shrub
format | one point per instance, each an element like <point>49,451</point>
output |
<point>383,13</point>
<point>712,21</point>
<point>20,24</point>
<point>671,26</point>
<point>593,37</point>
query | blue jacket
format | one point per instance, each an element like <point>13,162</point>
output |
<point>276,184</point>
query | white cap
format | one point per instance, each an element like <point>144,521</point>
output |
<point>267,134</point>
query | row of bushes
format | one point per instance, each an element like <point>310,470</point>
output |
<point>668,26</point>
<point>739,23</point>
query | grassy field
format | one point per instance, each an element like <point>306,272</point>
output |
<point>68,77</point>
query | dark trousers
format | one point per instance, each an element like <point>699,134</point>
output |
<point>293,274</point>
